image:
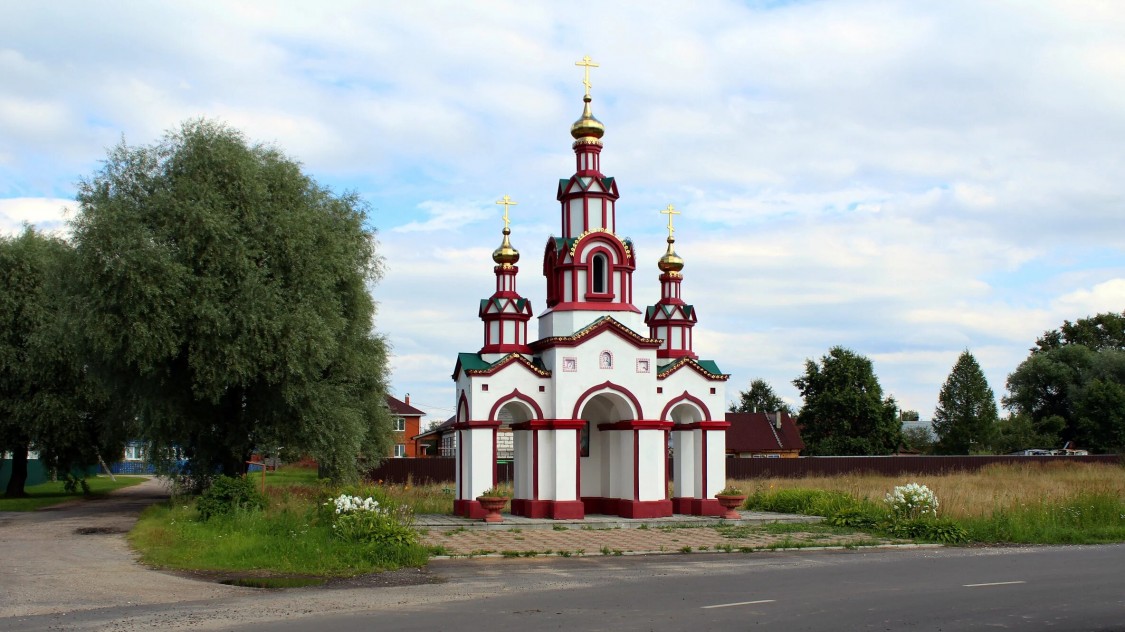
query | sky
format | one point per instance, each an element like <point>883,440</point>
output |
<point>905,179</point>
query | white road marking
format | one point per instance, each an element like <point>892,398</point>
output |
<point>992,584</point>
<point>740,603</point>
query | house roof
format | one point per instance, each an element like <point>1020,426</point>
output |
<point>753,432</point>
<point>443,427</point>
<point>401,408</point>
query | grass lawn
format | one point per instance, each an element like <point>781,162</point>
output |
<point>52,493</point>
<point>295,535</point>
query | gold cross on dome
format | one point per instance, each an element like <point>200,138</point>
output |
<point>588,64</point>
<point>670,211</point>
<point>506,201</point>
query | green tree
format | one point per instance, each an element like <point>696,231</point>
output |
<point>1099,333</point>
<point>760,397</point>
<point>965,418</point>
<point>1018,432</point>
<point>48,401</point>
<point>908,415</point>
<point>917,439</point>
<point>844,412</point>
<point>1068,390</point>
<point>225,296</point>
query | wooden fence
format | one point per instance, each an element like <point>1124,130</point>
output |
<point>441,470</point>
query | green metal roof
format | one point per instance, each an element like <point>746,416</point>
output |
<point>472,362</point>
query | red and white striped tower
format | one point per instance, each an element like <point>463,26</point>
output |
<point>588,268</point>
<point>671,319</point>
<point>505,313</point>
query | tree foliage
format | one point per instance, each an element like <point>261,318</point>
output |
<point>760,397</point>
<point>225,296</point>
<point>965,418</point>
<point>48,401</point>
<point>1017,432</point>
<point>917,439</point>
<point>1102,332</point>
<point>844,412</point>
<point>1072,385</point>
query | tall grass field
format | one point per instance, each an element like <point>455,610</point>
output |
<point>1050,503</point>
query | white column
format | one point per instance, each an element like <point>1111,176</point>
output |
<point>566,464</point>
<point>651,465</point>
<point>683,449</point>
<point>479,446</point>
<point>523,471</point>
<point>716,462</point>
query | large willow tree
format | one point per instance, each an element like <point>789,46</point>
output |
<point>224,294</point>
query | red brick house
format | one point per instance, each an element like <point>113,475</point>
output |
<point>763,435</point>
<point>406,420</point>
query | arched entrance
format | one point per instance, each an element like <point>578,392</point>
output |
<point>698,456</point>
<point>623,459</point>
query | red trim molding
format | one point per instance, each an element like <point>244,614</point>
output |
<point>607,386</point>
<point>637,424</point>
<point>686,397</point>
<point>550,424</point>
<point>516,395</point>
<point>480,423</point>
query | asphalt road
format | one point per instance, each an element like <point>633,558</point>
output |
<point>1079,588</point>
<point>1042,588</point>
<point>1018,588</point>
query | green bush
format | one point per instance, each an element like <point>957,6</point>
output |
<point>929,529</point>
<point>856,518</point>
<point>227,495</point>
<point>370,519</point>
<point>813,502</point>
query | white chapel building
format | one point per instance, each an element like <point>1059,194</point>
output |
<point>595,400</point>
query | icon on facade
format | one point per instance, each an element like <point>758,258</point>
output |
<point>605,360</point>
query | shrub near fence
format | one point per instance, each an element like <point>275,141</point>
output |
<point>442,470</point>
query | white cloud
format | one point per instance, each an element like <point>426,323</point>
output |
<point>47,214</point>
<point>905,179</point>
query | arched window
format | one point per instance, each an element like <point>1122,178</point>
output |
<point>599,272</point>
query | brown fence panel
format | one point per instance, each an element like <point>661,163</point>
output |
<point>741,469</point>
<point>441,470</point>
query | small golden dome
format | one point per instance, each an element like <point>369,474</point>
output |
<point>671,262</point>
<point>505,254</point>
<point>587,127</point>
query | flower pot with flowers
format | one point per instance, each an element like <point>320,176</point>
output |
<point>730,498</point>
<point>493,500</point>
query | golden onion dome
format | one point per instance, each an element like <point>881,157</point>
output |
<point>671,262</point>
<point>587,127</point>
<point>506,254</point>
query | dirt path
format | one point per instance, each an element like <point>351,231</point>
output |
<point>74,557</point>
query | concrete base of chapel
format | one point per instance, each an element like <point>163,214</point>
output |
<point>553,509</point>
<point>697,506</point>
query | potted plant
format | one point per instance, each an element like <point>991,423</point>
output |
<point>730,498</point>
<point>493,500</point>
